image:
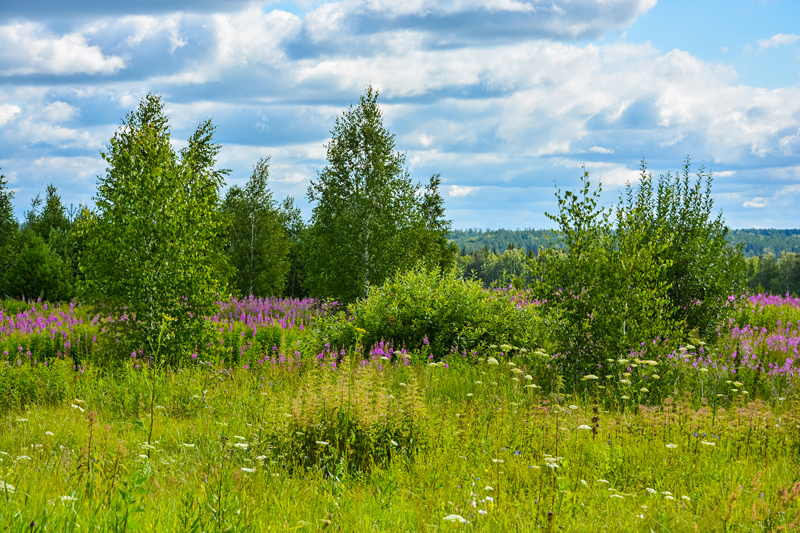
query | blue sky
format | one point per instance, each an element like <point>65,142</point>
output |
<point>505,98</point>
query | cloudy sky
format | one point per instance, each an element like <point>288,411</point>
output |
<point>504,98</point>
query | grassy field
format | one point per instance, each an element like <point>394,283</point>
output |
<point>391,444</point>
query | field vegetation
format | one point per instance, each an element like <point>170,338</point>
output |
<point>207,362</point>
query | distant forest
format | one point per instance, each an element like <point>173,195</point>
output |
<point>756,241</point>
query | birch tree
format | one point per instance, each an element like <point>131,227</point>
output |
<point>151,247</point>
<point>258,243</point>
<point>368,220</point>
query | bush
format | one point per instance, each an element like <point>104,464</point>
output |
<point>606,295</point>
<point>439,306</point>
<point>351,422</point>
<point>38,272</point>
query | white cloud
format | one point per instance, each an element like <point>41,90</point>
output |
<point>601,150</point>
<point>28,48</point>
<point>147,27</point>
<point>756,202</point>
<point>7,112</point>
<point>458,191</point>
<point>780,39</point>
<point>252,37</point>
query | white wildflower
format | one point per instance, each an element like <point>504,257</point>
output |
<point>49,433</point>
<point>584,426</point>
<point>491,361</point>
<point>708,443</point>
<point>487,487</point>
<point>573,407</point>
<point>617,496</point>
<point>187,445</point>
<point>78,407</point>
<point>69,499</point>
<point>248,470</point>
<point>238,437</point>
<point>688,499</point>
<point>650,491</point>
<point>671,446</point>
<point>455,518</point>
<point>322,443</point>
<point>242,445</point>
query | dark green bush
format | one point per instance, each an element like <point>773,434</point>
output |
<point>38,272</point>
<point>440,306</point>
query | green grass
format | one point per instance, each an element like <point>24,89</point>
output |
<point>397,449</point>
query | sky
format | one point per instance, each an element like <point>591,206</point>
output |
<point>506,99</point>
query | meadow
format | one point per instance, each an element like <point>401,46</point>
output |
<point>274,433</point>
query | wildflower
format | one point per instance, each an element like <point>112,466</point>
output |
<point>470,395</point>
<point>650,491</point>
<point>49,433</point>
<point>625,381</point>
<point>584,426</point>
<point>738,384</point>
<point>492,361</point>
<point>23,458</point>
<point>588,377</point>
<point>489,499</point>
<point>393,443</point>
<point>668,497</point>
<point>22,419</point>
<point>704,370</point>
<point>322,443</point>
<point>532,386</point>
<point>242,445</point>
<point>487,487</point>
<point>479,383</point>
<point>237,437</point>
<point>261,457</point>
<point>573,407</point>
<point>147,446</point>
<point>498,461</point>
<point>455,518</point>
<point>671,446</point>
<point>78,407</point>
<point>667,493</point>
<point>69,499</point>
<point>248,470</point>
<point>402,384</point>
<point>602,481</point>
<point>617,496</point>
<point>187,445</point>
<point>655,376</point>
<point>528,377</point>
<point>643,389</point>
<point>688,499</point>
<point>6,487</point>
<point>625,397</point>
<point>708,443</point>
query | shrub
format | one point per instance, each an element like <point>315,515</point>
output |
<point>606,295</point>
<point>437,307</point>
<point>352,419</point>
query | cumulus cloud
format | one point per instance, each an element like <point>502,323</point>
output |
<point>7,112</point>
<point>756,202</point>
<point>778,40</point>
<point>29,48</point>
<point>601,150</point>
<point>457,191</point>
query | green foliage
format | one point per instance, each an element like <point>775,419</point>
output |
<point>779,277</point>
<point>510,267</point>
<point>607,294</point>
<point>37,272</point>
<point>8,223</point>
<point>152,247</point>
<point>351,421</point>
<point>258,246</point>
<point>449,311</point>
<point>702,269</point>
<point>295,229</point>
<point>368,221</point>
